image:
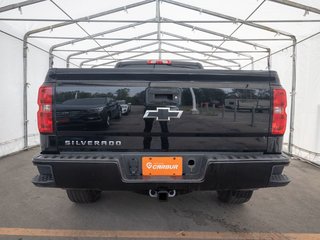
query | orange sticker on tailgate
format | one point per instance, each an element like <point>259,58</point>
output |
<point>161,166</point>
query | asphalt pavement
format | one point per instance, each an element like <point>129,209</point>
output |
<point>28,212</point>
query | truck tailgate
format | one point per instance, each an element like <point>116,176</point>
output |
<point>179,112</point>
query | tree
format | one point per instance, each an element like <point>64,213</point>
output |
<point>122,94</point>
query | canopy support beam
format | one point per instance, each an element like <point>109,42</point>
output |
<point>86,38</point>
<point>135,56</point>
<point>158,18</point>
<point>199,39</point>
<point>154,21</point>
<point>204,54</point>
<point>114,54</point>
<point>150,44</point>
<point>19,5</point>
<point>247,18</point>
<point>106,46</point>
<point>113,51</point>
<point>297,5</point>
<point>149,34</point>
<point>210,45</point>
<point>230,18</point>
<point>197,59</point>
<point>173,59</point>
<point>293,94</point>
<point>226,37</point>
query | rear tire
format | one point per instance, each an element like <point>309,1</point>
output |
<point>235,196</point>
<point>83,196</point>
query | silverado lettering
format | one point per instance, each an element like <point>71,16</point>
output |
<point>92,143</point>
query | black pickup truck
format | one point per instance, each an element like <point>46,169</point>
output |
<point>182,133</point>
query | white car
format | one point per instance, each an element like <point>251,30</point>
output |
<point>125,107</point>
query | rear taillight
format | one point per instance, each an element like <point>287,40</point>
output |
<point>166,62</point>
<point>279,116</point>
<point>45,124</point>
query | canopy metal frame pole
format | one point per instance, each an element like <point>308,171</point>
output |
<point>139,51</point>
<point>297,5</point>
<point>217,15</point>
<point>246,19</point>
<point>230,18</point>
<point>84,30</point>
<point>173,59</point>
<point>163,50</point>
<point>293,94</point>
<point>214,33</point>
<point>106,46</point>
<point>197,59</point>
<point>199,39</point>
<point>131,57</point>
<point>100,51</point>
<point>114,54</point>
<point>226,38</point>
<point>19,5</point>
<point>52,48</point>
<point>25,93</point>
<point>173,45</point>
<point>209,45</point>
<point>158,18</point>
<point>252,63</point>
<point>154,21</point>
<point>149,34</point>
<point>204,54</point>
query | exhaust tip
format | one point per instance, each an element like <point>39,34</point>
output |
<point>153,193</point>
<point>172,193</point>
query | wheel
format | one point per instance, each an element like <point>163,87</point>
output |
<point>83,196</point>
<point>234,196</point>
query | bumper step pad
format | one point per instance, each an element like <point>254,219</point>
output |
<point>43,180</point>
<point>278,180</point>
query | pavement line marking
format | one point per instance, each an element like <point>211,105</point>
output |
<point>35,232</point>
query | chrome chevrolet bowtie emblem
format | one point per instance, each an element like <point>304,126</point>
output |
<point>163,114</point>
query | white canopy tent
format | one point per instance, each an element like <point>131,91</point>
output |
<point>281,35</point>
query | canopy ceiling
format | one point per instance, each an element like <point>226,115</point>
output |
<point>228,34</point>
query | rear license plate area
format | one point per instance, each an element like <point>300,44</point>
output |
<point>162,166</point>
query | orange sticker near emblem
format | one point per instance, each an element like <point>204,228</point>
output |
<point>161,166</point>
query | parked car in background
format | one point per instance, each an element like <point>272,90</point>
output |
<point>125,107</point>
<point>87,112</point>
